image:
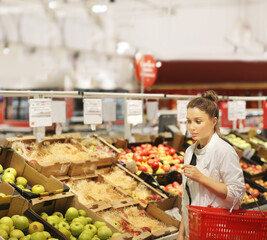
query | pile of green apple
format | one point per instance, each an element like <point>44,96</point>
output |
<point>10,175</point>
<point>76,225</point>
<point>19,227</point>
<point>237,141</point>
<point>258,141</point>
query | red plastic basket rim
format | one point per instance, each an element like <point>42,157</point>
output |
<point>225,212</point>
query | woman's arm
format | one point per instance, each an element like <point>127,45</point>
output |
<point>181,233</point>
<point>218,188</point>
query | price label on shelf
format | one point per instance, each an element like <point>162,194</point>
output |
<point>40,112</point>
<point>109,111</point>
<point>134,111</point>
<point>232,113</point>
<point>248,153</point>
<point>182,110</point>
<point>152,110</point>
<point>58,111</point>
<point>92,111</point>
<point>241,109</point>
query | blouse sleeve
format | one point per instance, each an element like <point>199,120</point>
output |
<point>232,175</point>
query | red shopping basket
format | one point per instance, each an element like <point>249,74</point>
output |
<point>216,223</point>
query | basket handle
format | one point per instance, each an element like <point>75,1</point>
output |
<point>237,199</point>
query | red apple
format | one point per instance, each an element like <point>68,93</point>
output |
<point>143,168</point>
<point>244,165</point>
<point>166,167</point>
<point>168,187</point>
<point>175,184</point>
<point>255,193</point>
<point>172,151</point>
<point>247,186</point>
<point>155,165</point>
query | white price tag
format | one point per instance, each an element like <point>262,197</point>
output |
<point>182,110</point>
<point>92,111</point>
<point>109,111</point>
<point>40,112</point>
<point>241,109</point>
<point>134,111</point>
<point>58,111</point>
<point>248,153</point>
<point>152,110</point>
<point>232,113</point>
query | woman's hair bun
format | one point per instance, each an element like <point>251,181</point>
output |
<point>211,95</point>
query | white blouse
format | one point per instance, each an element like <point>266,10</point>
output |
<point>219,161</point>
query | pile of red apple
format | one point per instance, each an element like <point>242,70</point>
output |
<point>174,188</point>
<point>247,197</point>
<point>251,168</point>
<point>262,183</point>
<point>153,159</point>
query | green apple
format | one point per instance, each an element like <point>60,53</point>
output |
<point>2,195</point>
<point>1,168</point>
<point>21,223</point>
<point>96,238</point>
<point>86,235</point>
<point>89,220</point>
<point>53,220</point>
<point>80,219</point>
<point>64,224</point>
<point>71,213</point>
<point>73,238</point>
<point>21,181</point>
<point>13,238</point>
<point>91,227</point>
<point>35,227</point>
<point>38,189</point>
<point>65,231</point>
<point>44,215</point>
<point>115,234</point>
<point>76,228</point>
<point>27,190</point>
<point>5,227</point>
<point>99,224</point>
<point>82,212</point>
<point>14,217</point>
<point>8,221</point>
<point>38,236</point>
<point>8,176</point>
<point>3,234</point>
<point>21,187</point>
<point>47,234</point>
<point>59,214</point>
<point>104,232</point>
<point>16,233</point>
<point>28,237</point>
<point>11,170</point>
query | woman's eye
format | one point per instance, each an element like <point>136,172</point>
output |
<point>198,121</point>
<point>188,121</point>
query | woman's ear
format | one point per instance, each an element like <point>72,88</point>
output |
<point>214,121</point>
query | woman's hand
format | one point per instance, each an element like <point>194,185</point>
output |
<point>192,172</point>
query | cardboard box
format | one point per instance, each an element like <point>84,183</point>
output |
<point>52,185</point>
<point>8,190</point>
<point>61,203</point>
<point>20,206</point>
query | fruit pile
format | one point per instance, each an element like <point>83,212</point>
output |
<point>258,141</point>
<point>247,197</point>
<point>19,227</point>
<point>132,220</point>
<point>252,169</point>
<point>74,224</point>
<point>262,183</point>
<point>237,141</point>
<point>117,177</point>
<point>10,175</point>
<point>91,192</point>
<point>153,159</point>
<point>174,189</point>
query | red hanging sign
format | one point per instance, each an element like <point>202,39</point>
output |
<point>148,71</point>
<point>264,106</point>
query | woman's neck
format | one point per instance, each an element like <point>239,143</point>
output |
<point>203,142</point>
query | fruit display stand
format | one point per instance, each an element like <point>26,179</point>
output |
<point>6,192</point>
<point>54,156</point>
<point>9,159</point>
<point>19,206</point>
<point>60,204</point>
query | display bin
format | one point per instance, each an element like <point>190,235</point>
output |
<point>8,190</point>
<point>138,182</point>
<point>249,175</point>
<point>56,165</point>
<point>61,203</point>
<point>20,206</point>
<point>101,161</point>
<point>10,159</point>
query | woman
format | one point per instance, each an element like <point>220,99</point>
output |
<point>217,178</point>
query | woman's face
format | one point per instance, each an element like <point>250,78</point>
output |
<point>200,125</point>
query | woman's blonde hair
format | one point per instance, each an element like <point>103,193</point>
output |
<point>207,103</point>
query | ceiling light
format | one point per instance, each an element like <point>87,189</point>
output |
<point>6,49</point>
<point>158,64</point>
<point>99,8</point>
<point>53,4</point>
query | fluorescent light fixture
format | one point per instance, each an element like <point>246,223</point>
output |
<point>158,64</point>
<point>99,8</point>
<point>6,49</point>
<point>53,4</point>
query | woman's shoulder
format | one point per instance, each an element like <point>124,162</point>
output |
<point>223,146</point>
